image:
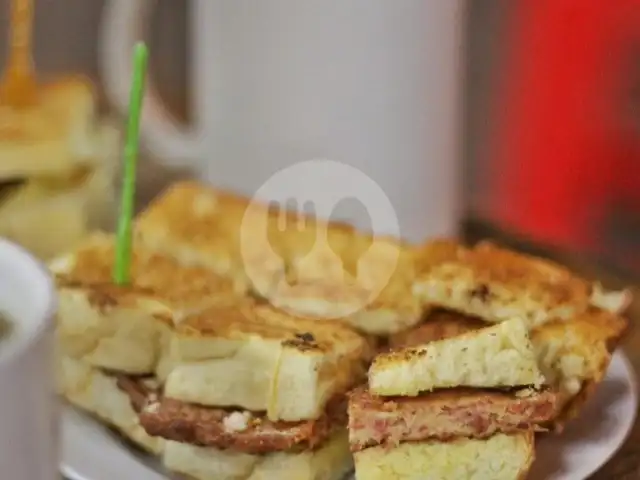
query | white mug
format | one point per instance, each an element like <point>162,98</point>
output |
<point>374,84</point>
<point>28,404</point>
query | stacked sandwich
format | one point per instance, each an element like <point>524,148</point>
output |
<point>57,163</point>
<point>56,159</point>
<point>219,357</point>
<point>574,325</point>
<point>464,407</point>
<point>216,383</point>
<point>254,393</point>
<point>108,334</point>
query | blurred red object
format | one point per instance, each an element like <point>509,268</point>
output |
<point>562,149</point>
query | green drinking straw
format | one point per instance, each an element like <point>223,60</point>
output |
<point>122,264</point>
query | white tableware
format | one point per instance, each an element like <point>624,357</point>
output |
<point>92,453</point>
<point>29,409</point>
<point>374,84</point>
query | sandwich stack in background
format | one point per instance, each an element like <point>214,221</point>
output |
<point>56,159</point>
<point>187,367</point>
<point>57,164</point>
<point>575,325</point>
<point>50,214</point>
<point>464,407</point>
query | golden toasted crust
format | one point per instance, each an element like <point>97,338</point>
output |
<point>497,356</point>
<point>245,319</point>
<point>152,275</point>
<point>126,328</point>
<point>263,359</point>
<point>313,267</point>
<point>497,284</point>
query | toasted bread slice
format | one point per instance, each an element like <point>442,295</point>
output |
<point>258,358</point>
<point>97,393</point>
<point>500,457</point>
<point>496,356</point>
<point>52,136</point>
<point>573,355</point>
<point>306,265</point>
<point>331,461</point>
<point>497,284</point>
<point>126,328</point>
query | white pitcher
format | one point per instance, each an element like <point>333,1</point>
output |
<point>375,84</point>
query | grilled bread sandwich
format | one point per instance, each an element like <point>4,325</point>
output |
<point>194,329</point>
<point>498,356</point>
<point>496,284</point>
<point>208,443</point>
<point>217,382</point>
<point>499,457</point>
<point>253,393</point>
<point>126,329</point>
<point>302,264</point>
<point>226,443</point>
<point>461,407</point>
<point>261,359</point>
<point>573,355</point>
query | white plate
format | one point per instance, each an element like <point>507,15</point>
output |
<point>92,453</point>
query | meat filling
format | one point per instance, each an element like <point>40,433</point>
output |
<point>222,428</point>
<point>444,415</point>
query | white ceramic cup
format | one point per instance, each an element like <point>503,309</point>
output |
<point>28,404</point>
<point>374,84</point>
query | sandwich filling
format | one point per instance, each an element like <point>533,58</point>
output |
<point>225,428</point>
<point>444,415</point>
